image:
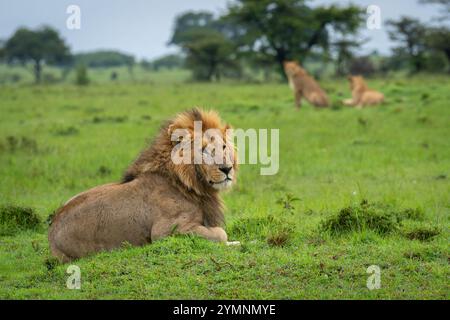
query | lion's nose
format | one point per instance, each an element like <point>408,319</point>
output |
<point>225,170</point>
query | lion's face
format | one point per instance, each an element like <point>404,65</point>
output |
<point>291,68</point>
<point>205,157</point>
<point>355,82</point>
<point>218,170</point>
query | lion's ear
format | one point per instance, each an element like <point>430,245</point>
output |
<point>170,130</point>
<point>228,132</point>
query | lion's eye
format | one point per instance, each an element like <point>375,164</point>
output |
<point>224,146</point>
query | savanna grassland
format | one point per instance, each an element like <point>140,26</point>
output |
<point>355,188</point>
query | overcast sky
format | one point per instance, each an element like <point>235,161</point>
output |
<point>143,27</point>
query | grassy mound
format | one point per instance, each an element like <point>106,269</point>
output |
<point>377,217</point>
<point>422,233</point>
<point>14,219</point>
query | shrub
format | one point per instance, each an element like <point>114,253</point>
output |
<point>422,233</point>
<point>279,237</point>
<point>69,131</point>
<point>82,78</point>
<point>14,219</point>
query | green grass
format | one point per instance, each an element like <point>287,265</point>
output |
<point>56,141</point>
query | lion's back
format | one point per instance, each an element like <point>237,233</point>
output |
<point>372,97</point>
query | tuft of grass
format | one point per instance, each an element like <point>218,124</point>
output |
<point>104,171</point>
<point>279,238</point>
<point>69,131</point>
<point>14,143</point>
<point>377,217</point>
<point>412,214</point>
<point>118,119</point>
<point>261,228</point>
<point>14,219</point>
<point>51,263</point>
<point>422,233</point>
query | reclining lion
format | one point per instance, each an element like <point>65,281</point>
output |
<point>304,85</point>
<point>361,94</point>
<point>155,197</point>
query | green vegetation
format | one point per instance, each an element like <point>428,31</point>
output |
<point>99,59</point>
<point>82,78</point>
<point>14,219</point>
<point>36,46</point>
<point>379,218</point>
<point>56,141</point>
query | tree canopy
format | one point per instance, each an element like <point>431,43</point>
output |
<point>409,33</point>
<point>100,59</point>
<point>290,29</point>
<point>208,49</point>
<point>39,46</point>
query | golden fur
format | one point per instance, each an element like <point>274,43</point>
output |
<point>361,94</point>
<point>304,85</point>
<point>154,198</point>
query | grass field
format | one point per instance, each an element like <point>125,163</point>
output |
<point>297,241</point>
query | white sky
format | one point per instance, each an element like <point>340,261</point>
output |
<point>143,27</point>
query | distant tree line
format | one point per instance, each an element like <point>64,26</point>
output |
<point>101,59</point>
<point>170,61</point>
<point>257,35</point>
<point>44,46</point>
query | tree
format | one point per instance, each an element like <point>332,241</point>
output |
<point>362,66</point>
<point>190,24</point>
<point>104,59</point>
<point>82,78</point>
<point>344,50</point>
<point>208,48</point>
<point>41,46</point>
<point>289,29</point>
<point>169,61</point>
<point>2,50</point>
<point>445,4</point>
<point>438,39</point>
<point>410,34</point>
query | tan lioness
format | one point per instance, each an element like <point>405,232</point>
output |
<point>156,197</point>
<point>304,85</point>
<point>361,94</point>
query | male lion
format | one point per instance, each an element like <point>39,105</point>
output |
<point>155,198</point>
<point>304,85</point>
<point>361,94</point>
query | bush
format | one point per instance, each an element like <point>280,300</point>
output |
<point>82,78</point>
<point>362,66</point>
<point>14,219</point>
<point>422,233</point>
